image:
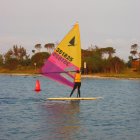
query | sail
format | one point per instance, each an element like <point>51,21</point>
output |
<point>65,59</point>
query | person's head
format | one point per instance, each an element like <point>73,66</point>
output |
<point>77,71</point>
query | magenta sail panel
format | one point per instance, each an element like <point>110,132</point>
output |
<point>54,72</point>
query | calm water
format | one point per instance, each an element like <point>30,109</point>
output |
<point>27,115</point>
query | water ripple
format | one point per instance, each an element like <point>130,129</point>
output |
<point>27,115</point>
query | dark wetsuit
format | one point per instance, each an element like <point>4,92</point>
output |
<point>77,84</point>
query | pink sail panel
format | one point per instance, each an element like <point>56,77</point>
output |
<point>53,70</point>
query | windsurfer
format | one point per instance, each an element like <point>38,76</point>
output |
<point>77,83</point>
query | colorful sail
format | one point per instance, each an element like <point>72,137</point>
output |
<point>65,59</point>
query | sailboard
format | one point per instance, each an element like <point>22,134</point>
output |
<point>81,98</point>
<point>65,60</point>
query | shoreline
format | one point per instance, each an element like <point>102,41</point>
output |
<point>109,77</point>
<point>83,76</point>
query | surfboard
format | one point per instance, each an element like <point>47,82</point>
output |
<point>72,98</point>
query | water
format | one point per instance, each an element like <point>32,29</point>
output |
<point>27,115</point>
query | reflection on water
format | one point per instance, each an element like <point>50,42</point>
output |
<point>62,119</point>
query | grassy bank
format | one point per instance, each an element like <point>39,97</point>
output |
<point>19,71</point>
<point>128,73</point>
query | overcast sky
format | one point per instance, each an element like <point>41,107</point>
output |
<point>105,23</point>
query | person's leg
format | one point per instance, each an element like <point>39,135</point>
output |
<point>75,86</point>
<point>79,85</point>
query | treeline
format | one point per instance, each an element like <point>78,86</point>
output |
<point>101,60</point>
<point>18,58</point>
<point>94,59</point>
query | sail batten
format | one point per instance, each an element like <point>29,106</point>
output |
<point>65,59</point>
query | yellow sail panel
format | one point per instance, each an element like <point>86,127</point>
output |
<point>70,47</point>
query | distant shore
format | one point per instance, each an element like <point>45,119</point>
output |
<point>128,73</point>
<point>108,77</point>
<point>102,76</point>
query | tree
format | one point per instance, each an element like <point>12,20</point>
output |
<point>18,53</point>
<point>116,64</point>
<point>11,64</point>
<point>110,51</point>
<point>50,47</point>
<point>39,58</point>
<point>139,55</point>
<point>8,55</point>
<point>130,58</point>
<point>97,63</point>
<point>87,53</point>
<point>97,60</point>
<point>38,47</point>
<point>134,49</point>
<point>1,60</point>
<point>93,59</point>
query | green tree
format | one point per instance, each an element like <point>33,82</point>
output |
<point>130,58</point>
<point>11,63</point>
<point>93,58</point>
<point>8,55</point>
<point>1,60</point>
<point>109,51</point>
<point>96,62</point>
<point>113,65</point>
<point>38,47</point>
<point>116,65</point>
<point>38,59</point>
<point>50,47</point>
<point>86,53</point>
<point>134,49</point>
<point>18,53</point>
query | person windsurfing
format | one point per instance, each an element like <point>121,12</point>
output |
<point>77,83</point>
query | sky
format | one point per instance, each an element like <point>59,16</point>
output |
<point>104,23</point>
